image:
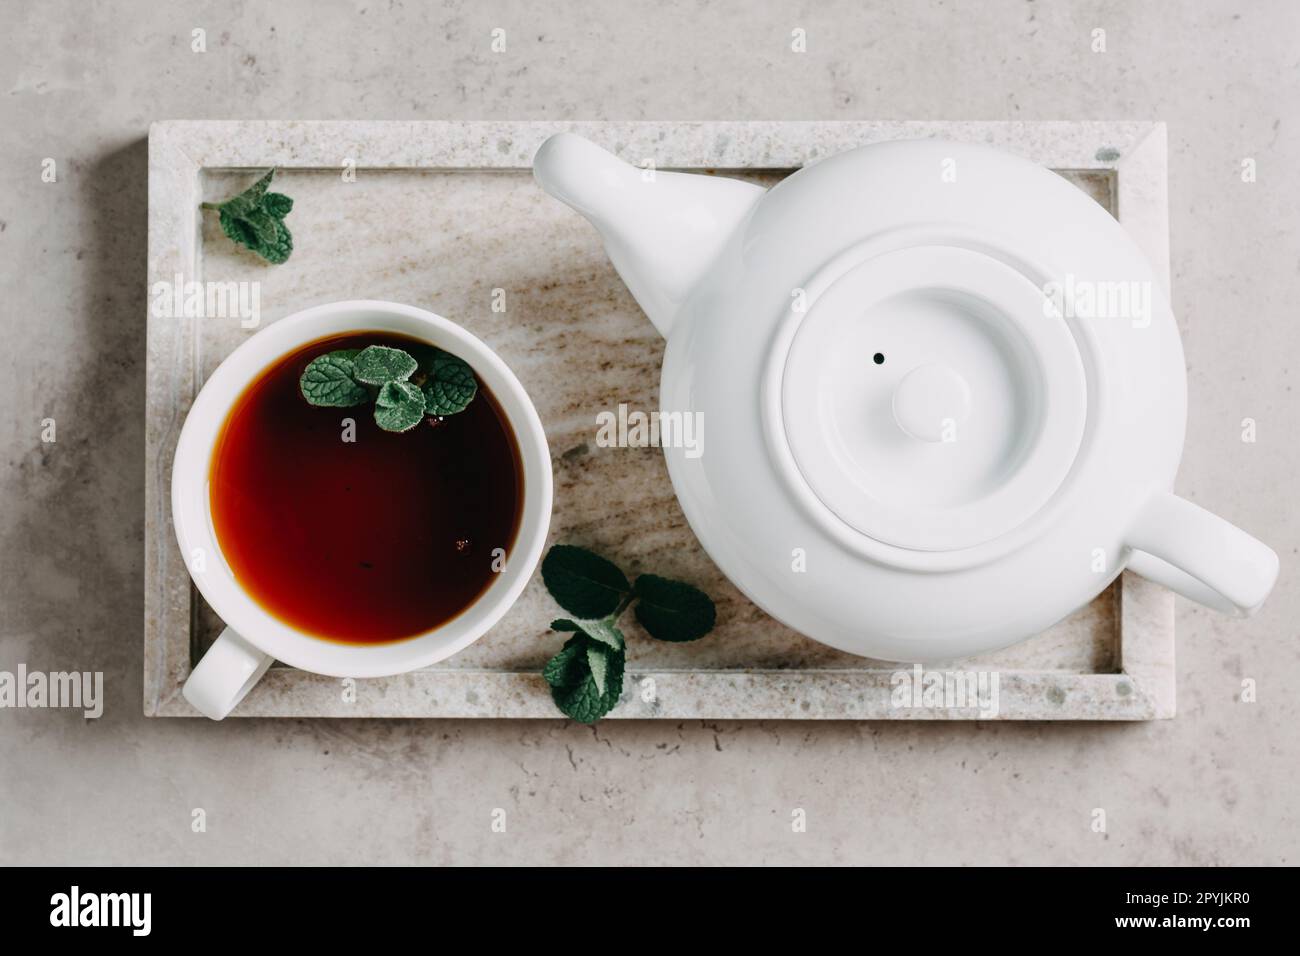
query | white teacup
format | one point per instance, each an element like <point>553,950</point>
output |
<point>253,637</point>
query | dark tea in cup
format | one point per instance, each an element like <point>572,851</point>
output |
<point>351,533</point>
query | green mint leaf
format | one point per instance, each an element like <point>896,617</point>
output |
<point>569,667</point>
<point>264,226</point>
<point>280,249</point>
<point>584,701</point>
<point>277,204</point>
<point>254,193</point>
<point>379,364</point>
<point>673,610</point>
<point>598,664</point>
<point>327,380</point>
<point>255,219</point>
<point>450,386</point>
<point>584,584</point>
<point>237,207</point>
<point>605,631</point>
<point>399,406</point>
<point>236,229</point>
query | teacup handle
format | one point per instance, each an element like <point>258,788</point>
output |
<point>1197,554</point>
<point>225,675</point>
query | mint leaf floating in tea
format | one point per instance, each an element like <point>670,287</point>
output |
<point>328,380</point>
<point>255,219</point>
<point>399,407</point>
<point>586,676</point>
<point>383,374</point>
<point>380,364</point>
<point>673,610</point>
<point>450,385</point>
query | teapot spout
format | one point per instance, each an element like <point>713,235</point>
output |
<point>661,230</point>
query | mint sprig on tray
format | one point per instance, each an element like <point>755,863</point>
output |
<point>255,220</point>
<point>404,389</point>
<point>586,676</point>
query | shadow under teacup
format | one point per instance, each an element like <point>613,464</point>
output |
<point>342,624</point>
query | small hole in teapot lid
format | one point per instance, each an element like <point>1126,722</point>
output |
<point>878,358</point>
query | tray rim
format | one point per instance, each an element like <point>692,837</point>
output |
<point>1133,151</point>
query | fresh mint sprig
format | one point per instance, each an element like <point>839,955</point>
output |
<point>255,220</point>
<point>403,388</point>
<point>586,676</point>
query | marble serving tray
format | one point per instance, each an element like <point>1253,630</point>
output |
<point>446,216</point>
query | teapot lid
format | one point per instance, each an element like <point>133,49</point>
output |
<point>930,397</point>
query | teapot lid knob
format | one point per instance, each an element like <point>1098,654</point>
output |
<point>930,402</point>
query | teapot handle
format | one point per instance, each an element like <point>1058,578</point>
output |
<point>1202,557</point>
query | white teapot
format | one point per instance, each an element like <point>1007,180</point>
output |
<point>941,412</point>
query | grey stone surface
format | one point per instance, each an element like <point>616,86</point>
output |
<point>81,84</point>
